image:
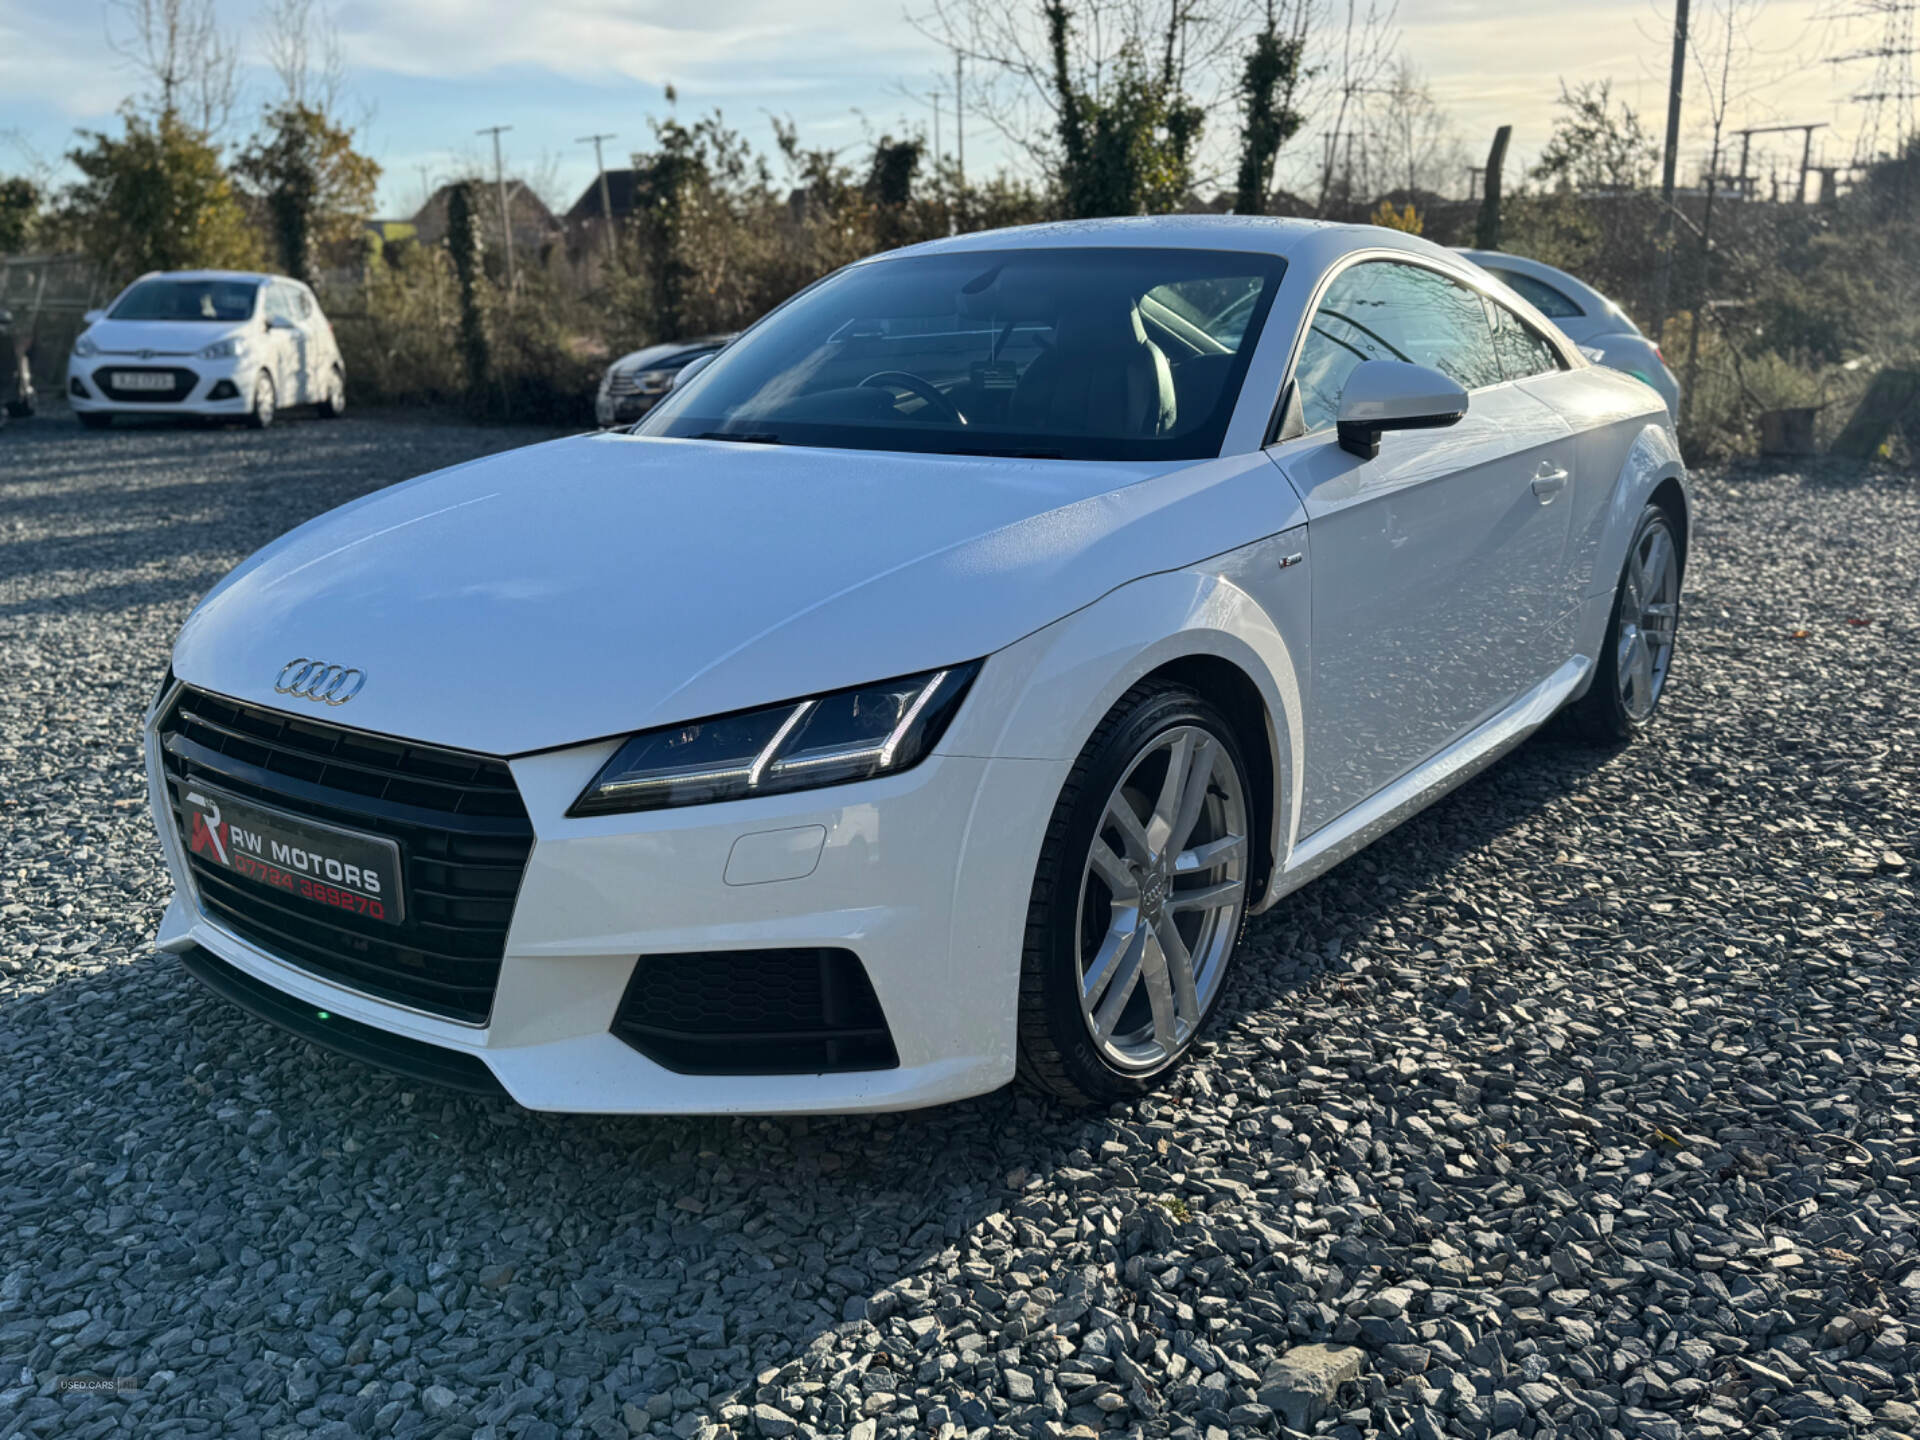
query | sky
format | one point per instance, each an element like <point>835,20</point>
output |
<point>425,75</point>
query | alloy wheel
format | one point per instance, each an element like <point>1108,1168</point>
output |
<point>1649,619</point>
<point>1160,898</point>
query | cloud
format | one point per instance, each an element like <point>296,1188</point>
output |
<point>47,60</point>
<point>757,44</point>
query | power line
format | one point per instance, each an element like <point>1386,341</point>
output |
<point>1889,98</point>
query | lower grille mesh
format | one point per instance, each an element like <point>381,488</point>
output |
<point>756,1012</point>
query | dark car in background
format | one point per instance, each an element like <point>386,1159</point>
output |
<point>16,380</point>
<point>634,383</point>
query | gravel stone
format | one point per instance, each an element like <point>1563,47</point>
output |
<point>1582,1106</point>
<point>1303,1385</point>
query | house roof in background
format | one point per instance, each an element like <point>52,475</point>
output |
<point>620,189</point>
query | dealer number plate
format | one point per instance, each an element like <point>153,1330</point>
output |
<point>141,380</point>
<point>321,864</point>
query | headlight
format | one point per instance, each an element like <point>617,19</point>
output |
<point>855,734</point>
<point>221,350</point>
<point>654,382</point>
<point>83,347</point>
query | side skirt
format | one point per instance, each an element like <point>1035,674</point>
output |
<point>1473,752</point>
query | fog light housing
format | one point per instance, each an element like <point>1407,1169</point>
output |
<point>224,390</point>
<point>77,389</point>
<point>756,1012</point>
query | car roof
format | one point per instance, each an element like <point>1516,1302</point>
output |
<point>661,349</point>
<point>1589,299</point>
<point>1318,240</point>
<point>257,277</point>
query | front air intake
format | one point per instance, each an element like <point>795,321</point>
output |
<point>755,1012</point>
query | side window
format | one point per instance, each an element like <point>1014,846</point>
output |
<point>1218,308</point>
<point>277,306</point>
<point>1386,310</point>
<point>1542,296</point>
<point>303,303</point>
<point>1523,350</point>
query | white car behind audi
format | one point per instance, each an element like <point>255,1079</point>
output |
<point>1584,316</point>
<point>206,343</point>
<point>925,692</point>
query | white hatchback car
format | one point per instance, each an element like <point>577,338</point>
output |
<point>207,343</point>
<point>929,689</point>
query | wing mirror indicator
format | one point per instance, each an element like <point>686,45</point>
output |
<point>1394,395</point>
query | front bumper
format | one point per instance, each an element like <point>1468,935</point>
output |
<point>924,876</point>
<point>202,387</point>
<point>622,409</point>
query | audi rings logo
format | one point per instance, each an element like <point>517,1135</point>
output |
<point>320,682</point>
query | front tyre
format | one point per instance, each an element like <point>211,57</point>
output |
<point>1139,899</point>
<point>1637,654</point>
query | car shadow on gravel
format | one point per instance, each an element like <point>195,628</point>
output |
<point>706,1247</point>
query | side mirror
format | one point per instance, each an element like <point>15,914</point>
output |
<point>1394,395</point>
<point>692,368</point>
<point>93,317</point>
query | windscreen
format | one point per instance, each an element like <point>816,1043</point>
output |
<point>227,300</point>
<point>1095,354</point>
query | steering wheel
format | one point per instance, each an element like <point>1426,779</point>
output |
<point>914,385</point>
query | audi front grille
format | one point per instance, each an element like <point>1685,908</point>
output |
<point>458,819</point>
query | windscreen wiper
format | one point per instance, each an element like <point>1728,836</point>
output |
<point>745,437</point>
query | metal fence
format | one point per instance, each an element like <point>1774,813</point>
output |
<point>49,296</point>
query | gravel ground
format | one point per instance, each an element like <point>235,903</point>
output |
<point>1583,1105</point>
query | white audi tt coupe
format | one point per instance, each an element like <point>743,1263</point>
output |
<point>929,689</point>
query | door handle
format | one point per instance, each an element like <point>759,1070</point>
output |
<point>1548,481</point>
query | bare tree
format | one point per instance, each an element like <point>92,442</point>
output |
<point>188,62</point>
<point>1408,139</point>
<point>302,44</point>
<point>1188,48</point>
<point>1354,67</point>
<point>1718,47</point>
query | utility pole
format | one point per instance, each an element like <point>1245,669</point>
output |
<point>500,182</point>
<point>1670,163</point>
<point>960,117</point>
<point>1487,232</point>
<point>606,203</point>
